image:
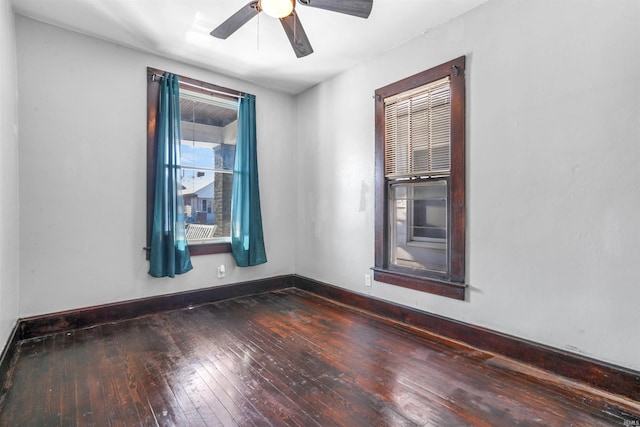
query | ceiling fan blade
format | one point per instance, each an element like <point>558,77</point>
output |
<point>359,8</point>
<point>236,20</point>
<point>297,37</point>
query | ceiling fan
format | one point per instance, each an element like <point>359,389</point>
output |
<point>285,11</point>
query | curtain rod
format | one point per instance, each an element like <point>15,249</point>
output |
<point>155,76</point>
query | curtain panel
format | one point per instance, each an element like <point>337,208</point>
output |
<point>247,239</point>
<point>169,252</point>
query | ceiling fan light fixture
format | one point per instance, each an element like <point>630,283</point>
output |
<point>285,11</point>
<point>277,8</point>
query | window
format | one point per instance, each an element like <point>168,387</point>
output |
<point>208,140</point>
<point>420,180</point>
<point>208,129</point>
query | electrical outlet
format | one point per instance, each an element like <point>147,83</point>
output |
<point>367,280</point>
<point>221,271</point>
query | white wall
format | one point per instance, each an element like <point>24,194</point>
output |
<point>9,249</point>
<point>83,174</point>
<point>553,125</point>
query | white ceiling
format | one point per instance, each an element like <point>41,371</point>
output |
<point>259,51</point>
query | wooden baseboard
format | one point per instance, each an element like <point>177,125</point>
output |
<point>604,376</point>
<point>36,326</point>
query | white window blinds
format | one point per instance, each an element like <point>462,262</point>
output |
<point>418,131</point>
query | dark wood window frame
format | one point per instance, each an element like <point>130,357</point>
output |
<point>453,285</point>
<point>153,91</point>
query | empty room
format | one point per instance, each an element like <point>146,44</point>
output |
<point>319,213</point>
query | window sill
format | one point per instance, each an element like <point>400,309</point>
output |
<point>423,284</point>
<point>201,249</point>
<point>209,248</point>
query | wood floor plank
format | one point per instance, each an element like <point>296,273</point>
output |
<point>204,401</point>
<point>319,381</point>
<point>231,407</point>
<point>288,380</point>
<point>62,378</point>
<point>29,382</point>
<point>255,370</point>
<point>370,370</point>
<point>341,396</point>
<point>278,366</point>
<point>283,358</point>
<point>154,379</point>
<point>119,372</point>
<point>91,405</point>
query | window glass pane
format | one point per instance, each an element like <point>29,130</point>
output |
<point>430,211</point>
<point>418,227</point>
<point>208,130</point>
<point>400,191</point>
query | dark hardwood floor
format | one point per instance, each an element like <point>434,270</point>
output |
<point>283,358</point>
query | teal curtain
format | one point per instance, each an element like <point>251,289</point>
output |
<point>247,240</point>
<point>169,250</point>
